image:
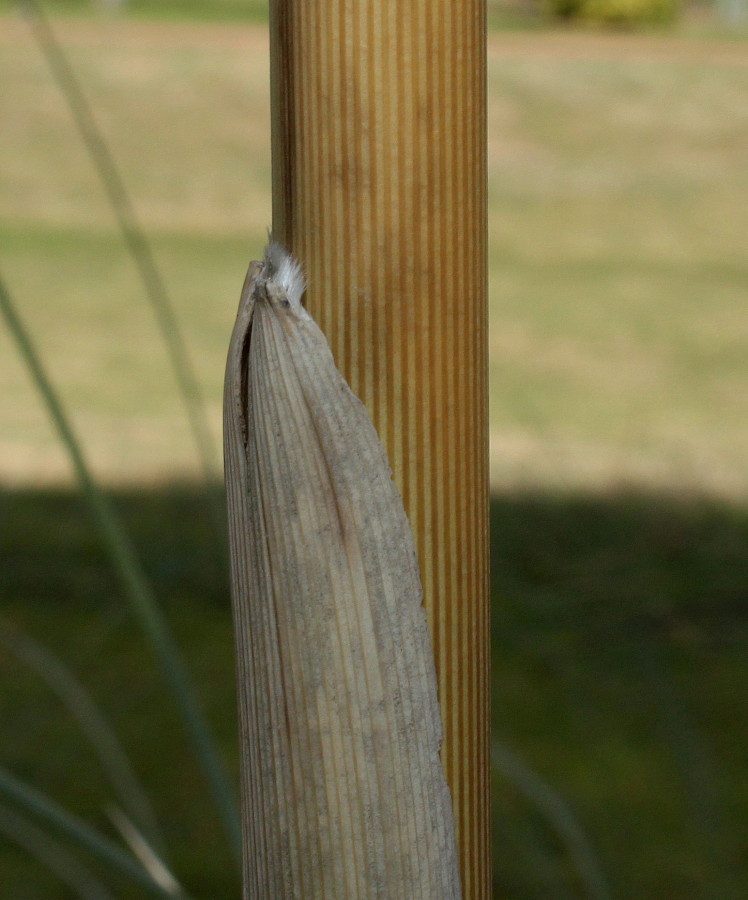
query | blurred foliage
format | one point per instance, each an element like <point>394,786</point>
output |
<point>615,12</point>
<point>58,586</point>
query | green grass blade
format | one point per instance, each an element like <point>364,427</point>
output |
<point>80,704</point>
<point>558,815</point>
<point>134,237</point>
<point>134,581</point>
<point>76,831</point>
<point>21,831</point>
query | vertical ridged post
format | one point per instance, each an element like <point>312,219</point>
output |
<point>379,170</point>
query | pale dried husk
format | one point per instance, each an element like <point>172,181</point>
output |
<point>343,793</point>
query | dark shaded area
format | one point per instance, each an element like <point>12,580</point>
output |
<point>620,649</point>
<point>620,659</point>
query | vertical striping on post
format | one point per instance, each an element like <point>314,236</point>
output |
<point>379,189</point>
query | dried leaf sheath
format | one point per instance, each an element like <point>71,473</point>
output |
<point>343,791</point>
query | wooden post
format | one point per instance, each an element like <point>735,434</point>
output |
<point>378,115</point>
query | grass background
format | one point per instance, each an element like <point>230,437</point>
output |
<point>618,271</point>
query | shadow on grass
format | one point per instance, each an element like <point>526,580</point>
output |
<point>620,659</point>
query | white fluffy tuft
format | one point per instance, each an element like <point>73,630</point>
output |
<point>278,265</point>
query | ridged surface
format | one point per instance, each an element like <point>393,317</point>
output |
<point>344,797</point>
<point>379,190</point>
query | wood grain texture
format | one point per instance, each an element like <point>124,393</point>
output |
<point>343,792</point>
<point>379,189</point>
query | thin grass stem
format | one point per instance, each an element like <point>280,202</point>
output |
<point>134,581</point>
<point>143,851</point>
<point>78,832</point>
<point>59,860</point>
<point>558,815</point>
<point>134,237</point>
<point>80,704</point>
<point>540,876</point>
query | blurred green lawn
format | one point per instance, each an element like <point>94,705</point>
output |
<point>619,424</point>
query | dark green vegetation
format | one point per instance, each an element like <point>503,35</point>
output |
<point>620,657</point>
<point>615,12</point>
<point>619,664</point>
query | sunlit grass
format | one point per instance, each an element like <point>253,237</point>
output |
<point>618,274</point>
<point>617,216</point>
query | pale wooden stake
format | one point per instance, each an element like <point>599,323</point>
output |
<point>379,171</point>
